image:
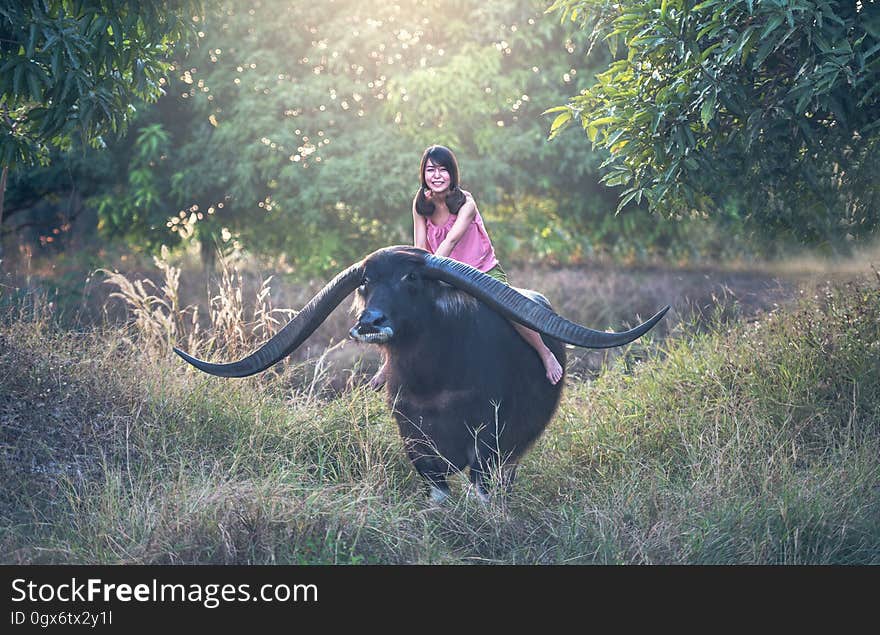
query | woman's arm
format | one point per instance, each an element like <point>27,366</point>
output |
<point>420,229</point>
<point>465,215</point>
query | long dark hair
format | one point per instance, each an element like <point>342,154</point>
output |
<point>455,198</point>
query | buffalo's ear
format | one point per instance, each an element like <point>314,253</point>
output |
<point>449,300</point>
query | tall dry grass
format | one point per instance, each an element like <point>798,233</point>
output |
<point>162,322</point>
<point>750,441</point>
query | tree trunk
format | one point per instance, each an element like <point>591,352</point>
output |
<point>208,254</point>
<point>2,197</point>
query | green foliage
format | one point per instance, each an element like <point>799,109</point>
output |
<point>138,210</point>
<point>299,125</point>
<point>75,68</point>
<point>295,128</point>
<point>532,228</point>
<point>771,107</point>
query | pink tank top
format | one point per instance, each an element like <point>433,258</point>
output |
<point>474,248</point>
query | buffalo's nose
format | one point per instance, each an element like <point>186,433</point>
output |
<point>369,322</point>
<point>371,318</point>
<point>372,327</point>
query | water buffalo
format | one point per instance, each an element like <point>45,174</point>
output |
<point>465,388</point>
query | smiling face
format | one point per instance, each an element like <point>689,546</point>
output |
<point>437,177</point>
<point>439,170</point>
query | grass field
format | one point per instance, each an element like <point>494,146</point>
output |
<point>738,438</point>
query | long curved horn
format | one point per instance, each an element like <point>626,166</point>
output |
<point>285,341</point>
<point>515,306</point>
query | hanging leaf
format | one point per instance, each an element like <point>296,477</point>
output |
<point>707,111</point>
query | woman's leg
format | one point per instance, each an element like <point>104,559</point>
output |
<point>551,364</point>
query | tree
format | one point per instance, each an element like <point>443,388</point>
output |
<point>74,68</point>
<point>767,108</point>
<point>297,126</point>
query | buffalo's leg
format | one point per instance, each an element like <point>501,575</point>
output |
<point>438,488</point>
<point>440,493</point>
<point>480,480</point>
<point>434,470</point>
<point>482,469</point>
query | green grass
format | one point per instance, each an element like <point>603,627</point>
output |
<point>752,443</point>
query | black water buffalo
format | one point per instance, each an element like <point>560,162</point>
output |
<point>465,388</point>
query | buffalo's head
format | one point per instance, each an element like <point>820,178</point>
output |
<point>393,296</point>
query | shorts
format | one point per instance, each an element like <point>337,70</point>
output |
<point>498,273</point>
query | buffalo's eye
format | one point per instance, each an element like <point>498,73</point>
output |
<point>410,282</point>
<point>364,284</point>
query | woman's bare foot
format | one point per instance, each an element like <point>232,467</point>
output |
<point>552,366</point>
<point>378,380</point>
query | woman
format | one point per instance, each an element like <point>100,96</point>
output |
<point>446,222</point>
